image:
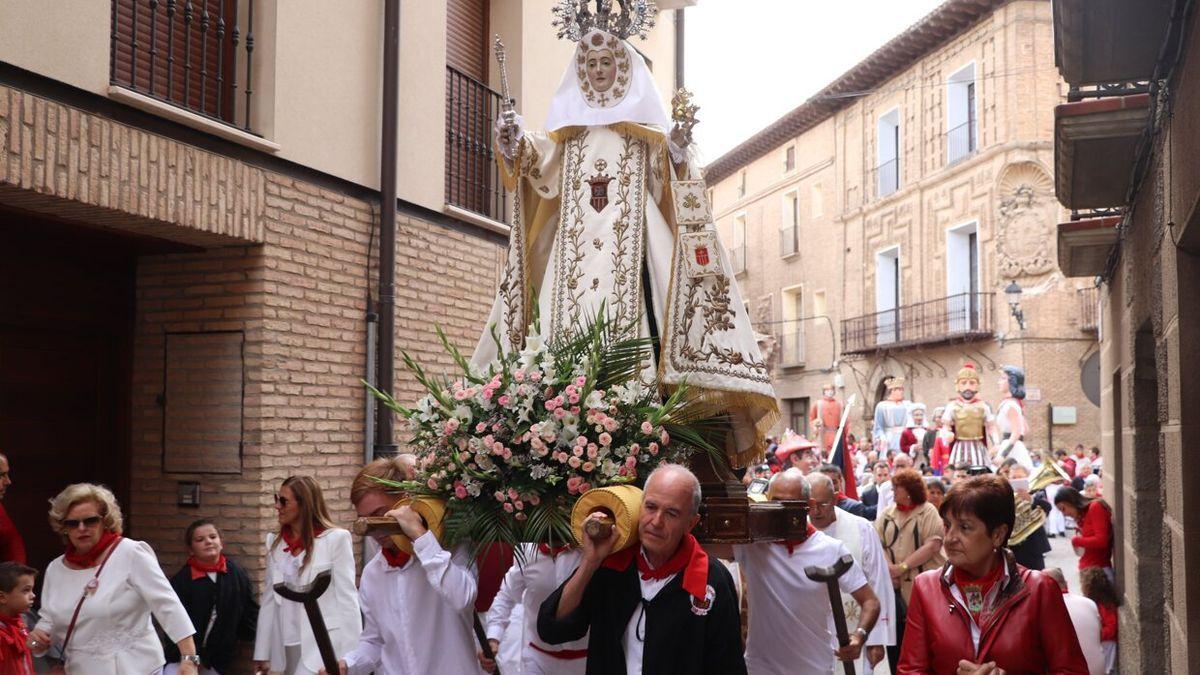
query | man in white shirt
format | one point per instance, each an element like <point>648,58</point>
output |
<point>1085,616</point>
<point>790,616</point>
<point>859,537</point>
<point>417,608</point>
<point>527,585</point>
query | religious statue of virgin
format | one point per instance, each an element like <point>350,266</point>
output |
<point>610,211</point>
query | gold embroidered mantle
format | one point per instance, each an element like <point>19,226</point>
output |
<point>588,214</point>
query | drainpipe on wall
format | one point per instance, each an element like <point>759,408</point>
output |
<point>385,441</point>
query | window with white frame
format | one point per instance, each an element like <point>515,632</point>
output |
<point>820,304</point>
<point>738,250</point>
<point>789,224</point>
<point>887,144</point>
<point>962,278</point>
<point>816,201</point>
<point>887,295</point>
<point>961,114</point>
<point>792,343</point>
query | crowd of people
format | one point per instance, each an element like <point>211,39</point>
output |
<point>919,544</point>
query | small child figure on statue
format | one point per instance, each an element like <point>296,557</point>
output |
<point>16,598</point>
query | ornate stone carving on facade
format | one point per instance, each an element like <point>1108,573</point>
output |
<point>1025,237</point>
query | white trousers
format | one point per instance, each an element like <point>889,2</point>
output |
<point>537,663</point>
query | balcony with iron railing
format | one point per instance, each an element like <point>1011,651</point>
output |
<point>962,317</point>
<point>472,175</point>
<point>187,54</point>
<point>789,240</point>
<point>791,346</point>
<point>737,258</point>
<point>887,178</point>
<point>961,142</point>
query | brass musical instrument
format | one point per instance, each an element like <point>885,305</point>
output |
<point>1029,517</point>
<point>1050,473</point>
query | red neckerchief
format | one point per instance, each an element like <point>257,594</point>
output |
<point>545,549</point>
<point>975,591</point>
<point>396,557</point>
<point>1020,401</point>
<point>13,642</point>
<point>293,543</point>
<point>839,496</point>
<point>89,559</point>
<point>903,508</point>
<point>201,570</point>
<point>793,543</point>
<point>689,557</point>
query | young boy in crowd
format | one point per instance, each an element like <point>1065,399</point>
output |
<point>16,597</point>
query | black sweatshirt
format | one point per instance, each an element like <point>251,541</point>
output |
<point>677,639</point>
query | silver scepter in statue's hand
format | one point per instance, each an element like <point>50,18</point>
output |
<point>508,106</point>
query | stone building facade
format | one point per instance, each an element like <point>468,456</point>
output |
<point>185,290</point>
<point>1128,170</point>
<point>879,224</point>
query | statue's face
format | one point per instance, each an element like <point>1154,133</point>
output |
<point>896,394</point>
<point>1002,384</point>
<point>968,387</point>
<point>601,69</point>
<point>918,417</point>
<point>828,392</point>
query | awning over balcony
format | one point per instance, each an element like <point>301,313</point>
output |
<point>1095,147</point>
<point>1084,245</point>
<point>1109,40</point>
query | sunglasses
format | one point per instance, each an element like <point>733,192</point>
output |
<point>281,501</point>
<point>74,523</point>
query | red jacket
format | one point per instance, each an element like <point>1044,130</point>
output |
<point>1095,536</point>
<point>1029,631</point>
<point>1108,622</point>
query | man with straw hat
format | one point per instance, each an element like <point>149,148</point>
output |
<point>660,606</point>
<point>416,597</point>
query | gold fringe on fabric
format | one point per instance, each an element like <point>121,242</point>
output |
<point>763,413</point>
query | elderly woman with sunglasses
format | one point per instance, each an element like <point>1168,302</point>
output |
<point>99,596</point>
<point>307,544</point>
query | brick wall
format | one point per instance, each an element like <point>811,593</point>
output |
<point>285,262</point>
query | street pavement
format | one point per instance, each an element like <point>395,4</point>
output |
<point>1062,555</point>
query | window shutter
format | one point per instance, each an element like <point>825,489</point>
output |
<point>466,37</point>
<point>193,66</point>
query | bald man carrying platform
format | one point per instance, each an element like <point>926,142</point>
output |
<point>660,607</point>
<point>790,616</point>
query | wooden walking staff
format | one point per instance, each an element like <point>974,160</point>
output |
<point>307,595</point>
<point>829,576</point>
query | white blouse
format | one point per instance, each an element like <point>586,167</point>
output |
<point>113,634</point>
<point>283,622</point>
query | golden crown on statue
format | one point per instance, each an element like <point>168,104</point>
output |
<point>574,18</point>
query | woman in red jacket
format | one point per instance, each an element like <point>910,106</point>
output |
<point>982,614</point>
<point>1094,519</point>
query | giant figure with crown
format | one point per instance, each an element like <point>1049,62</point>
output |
<point>610,211</point>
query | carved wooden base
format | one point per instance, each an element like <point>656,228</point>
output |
<point>727,516</point>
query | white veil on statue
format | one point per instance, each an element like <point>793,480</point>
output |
<point>632,98</point>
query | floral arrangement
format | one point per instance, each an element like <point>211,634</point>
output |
<point>511,449</point>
